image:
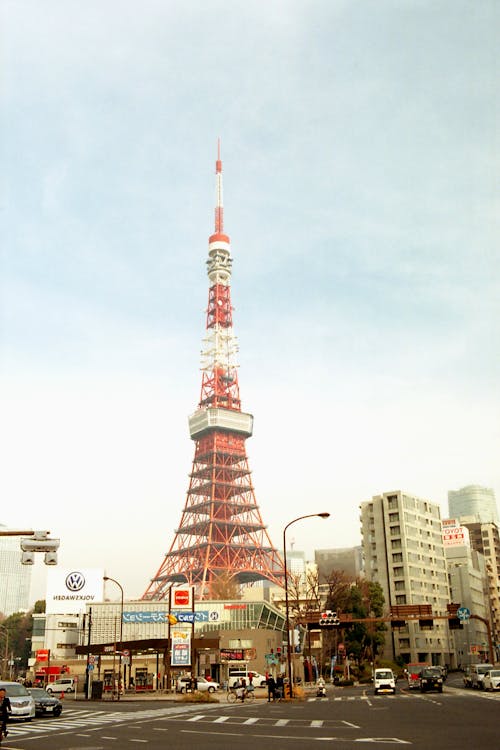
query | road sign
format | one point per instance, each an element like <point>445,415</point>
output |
<point>91,658</point>
<point>125,652</point>
<point>463,613</point>
<point>91,667</point>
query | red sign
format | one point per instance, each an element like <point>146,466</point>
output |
<point>181,597</point>
<point>43,654</point>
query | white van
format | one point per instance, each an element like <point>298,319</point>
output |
<point>62,685</point>
<point>384,681</point>
<point>258,680</point>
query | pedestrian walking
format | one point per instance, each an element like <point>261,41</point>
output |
<point>5,710</point>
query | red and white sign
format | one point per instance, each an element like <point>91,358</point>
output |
<point>43,654</point>
<point>454,535</point>
<point>182,597</point>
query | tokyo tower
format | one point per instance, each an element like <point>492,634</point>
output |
<point>221,536</point>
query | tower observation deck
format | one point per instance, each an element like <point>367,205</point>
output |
<point>221,539</point>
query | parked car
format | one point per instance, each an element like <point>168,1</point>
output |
<point>477,674</point>
<point>62,685</point>
<point>202,684</point>
<point>45,703</point>
<point>384,681</point>
<point>431,679</point>
<point>22,703</point>
<point>258,680</point>
<point>491,680</point>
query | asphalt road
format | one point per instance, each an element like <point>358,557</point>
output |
<point>348,718</point>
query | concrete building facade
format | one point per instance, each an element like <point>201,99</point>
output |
<point>346,559</point>
<point>403,552</point>
<point>468,587</point>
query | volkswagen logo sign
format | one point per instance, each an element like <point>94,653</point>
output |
<point>75,581</point>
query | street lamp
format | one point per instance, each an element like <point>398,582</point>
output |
<point>107,578</point>
<point>287,615</point>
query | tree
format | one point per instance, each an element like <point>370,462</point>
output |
<point>225,586</point>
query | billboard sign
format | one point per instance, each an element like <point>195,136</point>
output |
<point>454,535</point>
<point>181,647</point>
<point>70,590</point>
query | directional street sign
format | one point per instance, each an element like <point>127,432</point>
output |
<point>463,613</point>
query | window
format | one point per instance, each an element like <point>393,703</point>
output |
<point>397,557</point>
<point>401,599</point>
<point>395,530</point>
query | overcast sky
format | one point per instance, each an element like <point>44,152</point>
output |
<point>361,161</point>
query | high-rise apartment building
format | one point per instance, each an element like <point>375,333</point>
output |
<point>15,578</point>
<point>403,552</point>
<point>473,500</point>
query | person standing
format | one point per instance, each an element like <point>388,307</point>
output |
<point>5,710</point>
<point>280,687</point>
<point>271,689</point>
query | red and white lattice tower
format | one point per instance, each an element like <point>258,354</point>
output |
<point>221,536</point>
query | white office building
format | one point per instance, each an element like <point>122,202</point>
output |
<point>15,578</point>
<point>473,500</point>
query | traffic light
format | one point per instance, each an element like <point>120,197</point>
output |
<point>39,542</point>
<point>329,619</point>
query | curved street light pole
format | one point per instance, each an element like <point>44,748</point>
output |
<point>287,613</point>
<point>107,578</point>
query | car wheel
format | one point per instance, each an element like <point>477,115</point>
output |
<point>375,692</point>
<point>49,690</point>
<point>57,711</point>
<point>211,689</point>
<point>394,691</point>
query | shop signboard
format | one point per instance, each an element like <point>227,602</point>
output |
<point>181,647</point>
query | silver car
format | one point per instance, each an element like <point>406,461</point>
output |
<point>22,703</point>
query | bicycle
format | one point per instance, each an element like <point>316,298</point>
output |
<point>232,695</point>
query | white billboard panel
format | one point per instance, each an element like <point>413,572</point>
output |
<point>454,535</point>
<point>69,590</point>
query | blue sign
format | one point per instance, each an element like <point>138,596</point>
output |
<point>162,617</point>
<point>463,613</point>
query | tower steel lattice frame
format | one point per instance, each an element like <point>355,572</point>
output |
<point>221,535</point>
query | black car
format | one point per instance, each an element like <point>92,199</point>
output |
<point>431,679</point>
<point>45,703</point>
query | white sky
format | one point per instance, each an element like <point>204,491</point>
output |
<point>360,151</point>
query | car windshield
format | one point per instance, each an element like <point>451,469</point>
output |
<point>385,675</point>
<point>39,693</point>
<point>15,691</point>
<point>483,670</point>
<point>495,672</point>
